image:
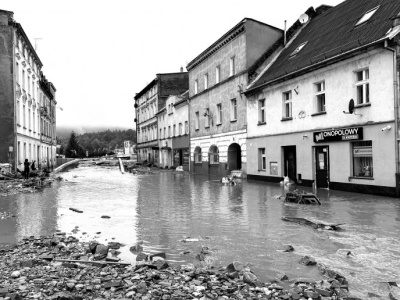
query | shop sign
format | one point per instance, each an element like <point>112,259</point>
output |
<point>343,134</point>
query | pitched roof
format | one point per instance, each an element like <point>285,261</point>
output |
<point>332,33</point>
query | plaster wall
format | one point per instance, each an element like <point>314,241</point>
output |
<point>7,109</point>
<point>339,89</point>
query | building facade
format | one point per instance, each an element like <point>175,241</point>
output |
<point>173,135</point>
<point>217,79</point>
<point>325,112</point>
<point>147,103</point>
<point>21,105</point>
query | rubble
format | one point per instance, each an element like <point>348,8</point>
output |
<point>61,267</point>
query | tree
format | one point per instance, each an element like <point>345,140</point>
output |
<point>73,148</point>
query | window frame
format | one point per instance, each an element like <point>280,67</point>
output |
<point>198,158</point>
<point>217,74</point>
<point>197,120</point>
<point>232,66</point>
<point>234,112</point>
<point>364,84</point>
<point>262,160</point>
<point>368,169</point>
<point>196,87</point>
<point>206,81</point>
<point>261,111</point>
<point>287,103</point>
<point>367,16</point>
<point>219,113</point>
<point>213,156</point>
<point>318,96</point>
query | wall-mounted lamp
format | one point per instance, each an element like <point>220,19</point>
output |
<point>296,89</point>
<point>386,128</point>
<point>305,136</point>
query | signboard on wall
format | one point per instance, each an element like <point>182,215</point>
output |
<point>343,134</point>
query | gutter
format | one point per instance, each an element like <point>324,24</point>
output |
<point>312,66</point>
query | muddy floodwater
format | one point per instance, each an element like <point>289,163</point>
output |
<point>241,222</point>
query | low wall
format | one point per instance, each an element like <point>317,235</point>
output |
<point>68,162</point>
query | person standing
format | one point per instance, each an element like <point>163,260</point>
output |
<point>26,168</point>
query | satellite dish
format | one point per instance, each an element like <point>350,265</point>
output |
<point>351,106</point>
<point>304,18</point>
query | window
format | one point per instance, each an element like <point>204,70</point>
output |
<point>197,120</point>
<point>165,133</point>
<point>287,104</point>
<point>219,113</point>
<point>19,153</point>
<point>206,81</point>
<point>213,155</point>
<point>362,86</point>
<point>18,113</point>
<point>298,49</point>
<point>217,74</point>
<point>29,85</point>
<point>197,155</point>
<point>24,116</point>
<point>17,72</point>
<point>232,66</point>
<point>160,133</point>
<point>206,117</point>
<point>261,111</point>
<point>174,130</point>
<point>186,127</point>
<point>262,164</point>
<point>367,16</point>
<point>23,79</point>
<point>34,121</point>
<point>196,86</point>
<point>29,118</point>
<point>320,96</point>
<point>180,129</point>
<point>362,159</point>
<point>169,131</point>
<point>233,110</point>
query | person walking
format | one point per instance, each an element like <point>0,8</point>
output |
<point>26,168</point>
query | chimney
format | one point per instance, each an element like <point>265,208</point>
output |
<point>181,69</point>
<point>284,35</point>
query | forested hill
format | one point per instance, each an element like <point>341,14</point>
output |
<point>102,141</point>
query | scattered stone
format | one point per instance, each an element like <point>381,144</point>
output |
<point>308,261</point>
<point>288,248</point>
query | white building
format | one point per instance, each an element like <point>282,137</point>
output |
<point>299,123</point>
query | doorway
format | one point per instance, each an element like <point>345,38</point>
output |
<point>289,162</point>
<point>322,166</point>
<point>234,157</point>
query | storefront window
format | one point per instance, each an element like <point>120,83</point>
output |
<point>197,155</point>
<point>362,159</point>
<point>214,155</point>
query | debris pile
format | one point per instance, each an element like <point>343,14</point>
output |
<point>61,267</point>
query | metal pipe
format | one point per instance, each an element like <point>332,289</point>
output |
<point>284,35</point>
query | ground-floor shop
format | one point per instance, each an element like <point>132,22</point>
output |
<point>219,154</point>
<point>357,159</point>
<point>148,153</point>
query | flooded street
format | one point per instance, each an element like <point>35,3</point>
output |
<point>241,222</point>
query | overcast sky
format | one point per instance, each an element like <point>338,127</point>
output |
<point>99,53</point>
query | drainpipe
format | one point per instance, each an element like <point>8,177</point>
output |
<point>190,153</point>
<point>396,115</point>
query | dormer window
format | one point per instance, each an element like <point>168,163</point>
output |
<point>367,16</point>
<point>298,49</point>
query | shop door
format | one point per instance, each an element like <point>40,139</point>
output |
<point>322,166</point>
<point>289,157</point>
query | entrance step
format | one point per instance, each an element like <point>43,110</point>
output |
<point>236,174</point>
